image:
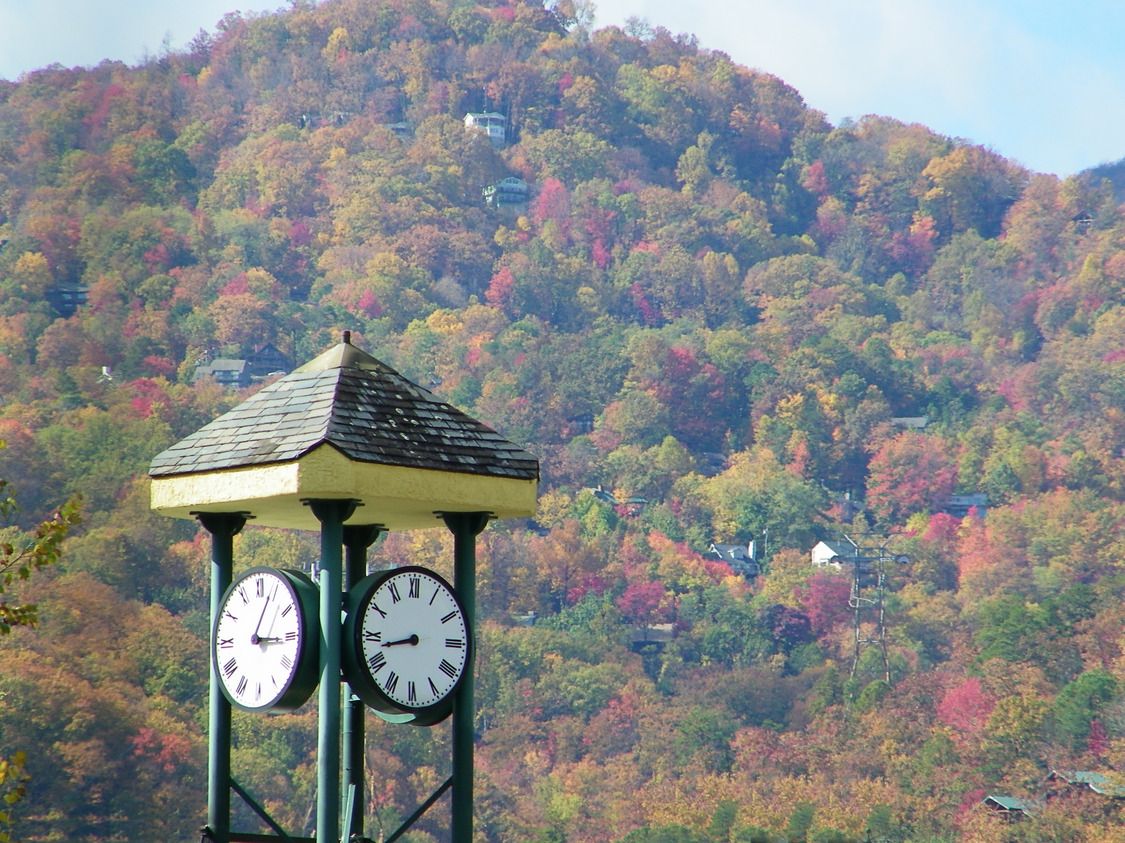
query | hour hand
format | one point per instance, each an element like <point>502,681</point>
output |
<point>413,639</point>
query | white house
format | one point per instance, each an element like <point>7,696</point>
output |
<point>826,553</point>
<point>491,123</point>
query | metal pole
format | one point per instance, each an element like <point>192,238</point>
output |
<point>331,514</point>
<point>223,527</point>
<point>465,527</point>
<point>356,541</point>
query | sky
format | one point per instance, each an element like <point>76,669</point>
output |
<point>1039,81</point>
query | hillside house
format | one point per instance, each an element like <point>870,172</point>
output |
<point>224,371</point>
<point>1083,779</point>
<point>268,360</point>
<point>67,298</point>
<point>492,123</point>
<point>742,558</point>
<point>911,422</point>
<point>830,553</point>
<point>507,192</point>
<point>1011,808</point>
<point>959,506</point>
<point>654,636</point>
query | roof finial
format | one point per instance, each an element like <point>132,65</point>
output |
<point>347,337</point>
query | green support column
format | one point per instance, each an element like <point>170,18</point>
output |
<point>465,526</point>
<point>223,527</point>
<point>357,540</point>
<point>331,514</point>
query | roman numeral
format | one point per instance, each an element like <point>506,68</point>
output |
<point>287,610</point>
<point>227,613</point>
<point>449,617</point>
<point>376,663</point>
<point>375,606</point>
<point>291,635</point>
<point>260,587</point>
<point>229,668</point>
<point>372,635</point>
<point>415,587</point>
<point>392,682</point>
<point>433,687</point>
<point>242,594</point>
<point>411,694</point>
<point>448,669</point>
<point>392,587</point>
<point>242,683</point>
<point>224,643</point>
<point>286,662</point>
<point>455,643</point>
<point>434,595</point>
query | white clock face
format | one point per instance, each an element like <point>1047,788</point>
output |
<point>412,638</point>
<point>259,640</point>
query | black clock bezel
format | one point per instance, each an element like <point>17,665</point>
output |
<point>355,667</point>
<point>306,673</point>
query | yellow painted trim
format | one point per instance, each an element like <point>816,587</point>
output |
<point>398,498</point>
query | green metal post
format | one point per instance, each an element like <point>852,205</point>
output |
<point>223,527</point>
<point>331,514</point>
<point>356,541</point>
<point>465,527</point>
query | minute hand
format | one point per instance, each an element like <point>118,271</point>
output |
<point>413,639</point>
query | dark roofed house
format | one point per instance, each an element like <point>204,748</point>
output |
<point>1011,808</point>
<point>741,557</point>
<point>268,360</point>
<point>225,371</point>
<point>67,298</point>
<point>961,505</point>
<point>1097,782</point>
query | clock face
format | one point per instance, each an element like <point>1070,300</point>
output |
<point>407,643</point>
<point>264,645</point>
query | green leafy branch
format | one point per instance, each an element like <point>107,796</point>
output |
<point>13,786</point>
<point>18,562</point>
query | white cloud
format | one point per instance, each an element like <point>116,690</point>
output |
<point>1037,81</point>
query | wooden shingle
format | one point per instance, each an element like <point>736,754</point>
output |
<point>350,402</point>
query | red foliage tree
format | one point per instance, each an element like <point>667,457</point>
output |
<point>966,707</point>
<point>910,473</point>
<point>824,599</point>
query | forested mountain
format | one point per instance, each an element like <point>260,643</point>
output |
<point>711,314</point>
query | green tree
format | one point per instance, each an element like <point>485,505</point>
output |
<point>22,554</point>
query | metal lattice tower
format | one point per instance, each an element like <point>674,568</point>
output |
<point>867,598</point>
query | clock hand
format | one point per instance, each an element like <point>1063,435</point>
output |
<point>254,639</point>
<point>413,639</point>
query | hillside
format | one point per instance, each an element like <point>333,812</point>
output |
<point>713,316</point>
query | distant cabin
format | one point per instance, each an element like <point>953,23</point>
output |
<point>742,558</point>
<point>578,425</point>
<point>509,191</point>
<point>268,360</point>
<point>911,422</point>
<point>492,123</point>
<point>830,553</point>
<point>1081,779</point>
<point>224,371</point>
<point>67,298</point>
<point>654,636</point>
<point>960,505</point>
<point>1011,808</point>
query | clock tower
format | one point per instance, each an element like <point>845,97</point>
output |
<point>347,446</point>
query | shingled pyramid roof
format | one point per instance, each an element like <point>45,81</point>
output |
<point>360,407</point>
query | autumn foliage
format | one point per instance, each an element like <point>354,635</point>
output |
<point>715,317</point>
